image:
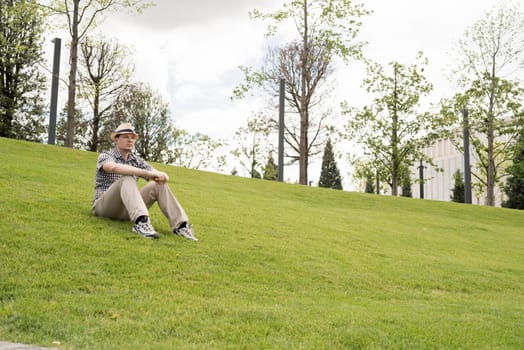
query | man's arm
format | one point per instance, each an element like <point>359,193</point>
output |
<point>122,169</point>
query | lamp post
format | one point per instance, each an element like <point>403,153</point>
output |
<point>281,128</point>
<point>54,92</point>
<point>421,168</point>
<point>467,168</point>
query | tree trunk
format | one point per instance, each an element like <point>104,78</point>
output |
<point>96,120</point>
<point>9,75</point>
<point>490,181</point>
<point>73,56</point>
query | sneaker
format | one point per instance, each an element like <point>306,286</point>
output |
<point>187,232</point>
<point>145,229</point>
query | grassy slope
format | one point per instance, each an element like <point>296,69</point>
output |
<point>278,266</point>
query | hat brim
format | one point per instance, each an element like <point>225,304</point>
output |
<point>115,134</point>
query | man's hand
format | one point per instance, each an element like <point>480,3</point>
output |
<point>158,176</point>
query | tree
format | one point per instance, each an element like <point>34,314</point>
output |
<point>391,130</point>
<point>406,183</point>
<point>81,138</point>
<point>21,82</point>
<point>369,172</point>
<point>251,144</point>
<point>195,151</point>
<point>326,28</point>
<point>80,19</point>
<point>489,55</point>
<point>514,187</point>
<point>149,114</point>
<point>29,124</point>
<point>286,63</point>
<point>329,173</point>
<point>271,169</point>
<point>370,188</point>
<point>458,188</point>
<point>103,75</point>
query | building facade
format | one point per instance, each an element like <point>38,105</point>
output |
<point>438,184</point>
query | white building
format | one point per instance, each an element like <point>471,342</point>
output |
<point>438,185</point>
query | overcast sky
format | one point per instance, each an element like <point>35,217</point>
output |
<point>190,50</point>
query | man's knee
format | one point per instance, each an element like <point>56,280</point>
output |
<point>127,181</point>
<point>128,178</point>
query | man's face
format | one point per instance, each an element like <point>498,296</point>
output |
<point>125,142</point>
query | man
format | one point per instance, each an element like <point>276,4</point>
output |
<point>117,195</point>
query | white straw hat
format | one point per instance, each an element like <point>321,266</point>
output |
<point>125,128</point>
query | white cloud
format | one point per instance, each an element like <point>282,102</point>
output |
<point>204,54</point>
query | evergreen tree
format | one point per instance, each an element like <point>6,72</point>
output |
<point>406,186</point>
<point>458,188</point>
<point>329,174</point>
<point>514,187</point>
<point>370,187</point>
<point>270,170</point>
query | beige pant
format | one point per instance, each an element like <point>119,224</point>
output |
<point>124,201</point>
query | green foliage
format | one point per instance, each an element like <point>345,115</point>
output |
<point>271,169</point>
<point>22,85</point>
<point>458,189</point>
<point>389,129</point>
<point>488,56</point>
<point>252,143</point>
<point>493,123</point>
<point>370,186</point>
<point>194,151</point>
<point>81,139</point>
<point>514,187</point>
<point>145,108</point>
<point>278,266</point>
<point>368,172</point>
<point>406,184</point>
<point>252,80</point>
<point>255,174</point>
<point>492,46</point>
<point>329,173</point>
<point>333,24</point>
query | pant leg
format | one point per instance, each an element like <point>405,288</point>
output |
<point>121,201</point>
<point>167,202</point>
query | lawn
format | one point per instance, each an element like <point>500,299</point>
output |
<point>278,266</point>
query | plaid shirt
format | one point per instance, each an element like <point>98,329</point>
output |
<point>104,180</point>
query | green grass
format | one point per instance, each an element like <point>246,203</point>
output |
<point>278,266</point>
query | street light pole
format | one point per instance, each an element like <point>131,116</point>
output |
<point>54,92</point>
<point>281,128</point>
<point>467,167</point>
<point>421,168</point>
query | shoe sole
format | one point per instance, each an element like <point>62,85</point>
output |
<point>150,236</point>
<point>186,237</point>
